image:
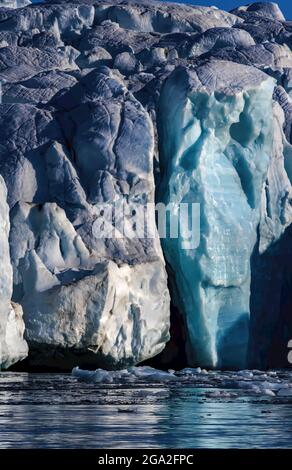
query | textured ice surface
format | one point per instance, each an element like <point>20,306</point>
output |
<point>103,300</point>
<point>80,293</point>
<point>82,123</point>
<point>12,345</point>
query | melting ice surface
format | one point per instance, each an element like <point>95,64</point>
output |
<point>146,408</point>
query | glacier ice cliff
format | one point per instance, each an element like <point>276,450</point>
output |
<point>12,345</point>
<point>83,295</point>
<point>215,150</point>
<point>129,102</point>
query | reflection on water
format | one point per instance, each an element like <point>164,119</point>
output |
<point>55,410</point>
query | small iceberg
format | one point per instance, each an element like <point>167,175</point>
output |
<point>131,374</point>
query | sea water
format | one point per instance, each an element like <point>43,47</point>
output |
<point>190,409</point>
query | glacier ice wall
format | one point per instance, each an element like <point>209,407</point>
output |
<point>86,299</point>
<point>271,328</point>
<point>12,345</point>
<point>82,124</point>
<point>216,127</point>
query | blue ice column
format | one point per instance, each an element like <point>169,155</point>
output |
<point>215,148</point>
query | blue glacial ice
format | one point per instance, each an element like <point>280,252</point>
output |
<point>215,128</point>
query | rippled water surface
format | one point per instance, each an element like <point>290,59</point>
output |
<point>58,410</point>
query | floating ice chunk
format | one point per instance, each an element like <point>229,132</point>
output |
<point>258,372</point>
<point>245,373</point>
<point>150,374</point>
<point>224,384</point>
<point>190,371</point>
<point>269,392</point>
<point>271,385</point>
<point>285,392</point>
<point>272,373</point>
<point>138,374</point>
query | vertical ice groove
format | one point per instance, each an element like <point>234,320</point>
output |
<point>12,345</point>
<point>215,146</point>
